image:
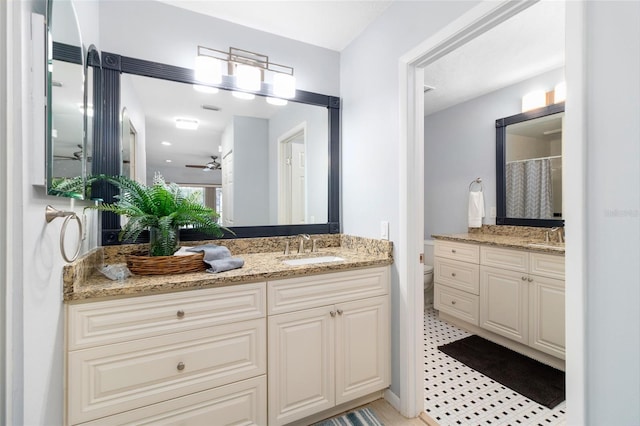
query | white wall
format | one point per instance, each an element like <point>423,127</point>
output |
<point>370,125</point>
<point>613,213</point>
<point>159,32</point>
<point>460,145</point>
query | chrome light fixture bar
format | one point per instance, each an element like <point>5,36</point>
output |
<point>248,68</point>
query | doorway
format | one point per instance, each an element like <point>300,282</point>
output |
<point>292,176</point>
<point>479,20</point>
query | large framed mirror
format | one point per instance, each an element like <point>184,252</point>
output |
<point>267,170</point>
<point>529,167</point>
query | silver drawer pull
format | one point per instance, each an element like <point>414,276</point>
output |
<point>180,313</point>
<point>332,313</point>
<point>453,250</point>
<point>453,302</point>
<point>340,311</point>
<point>180,366</point>
<point>453,274</point>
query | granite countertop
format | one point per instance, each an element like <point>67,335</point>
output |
<point>506,241</point>
<point>86,285</point>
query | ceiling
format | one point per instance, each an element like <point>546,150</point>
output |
<point>528,44</point>
<point>329,24</point>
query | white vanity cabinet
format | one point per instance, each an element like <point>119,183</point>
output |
<point>329,341</point>
<point>517,294</point>
<point>174,358</point>
<point>456,280</point>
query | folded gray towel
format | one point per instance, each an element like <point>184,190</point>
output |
<point>226,264</point>
<point>218,257</point>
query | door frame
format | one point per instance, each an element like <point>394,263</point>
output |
<point>300,128</point>
<point>478,20</point>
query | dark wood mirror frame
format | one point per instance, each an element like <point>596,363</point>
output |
<point>106,155</point>
<point>501,150</point>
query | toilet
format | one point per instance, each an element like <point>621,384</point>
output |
<point>428,285</point>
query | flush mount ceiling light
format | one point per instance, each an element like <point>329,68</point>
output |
<point>249,70</point>
<point>186,124</point>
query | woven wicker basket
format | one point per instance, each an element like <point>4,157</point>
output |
<point>163,265</point>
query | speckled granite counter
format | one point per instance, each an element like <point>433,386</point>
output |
<point>83,283</point>
<point>526,238</point>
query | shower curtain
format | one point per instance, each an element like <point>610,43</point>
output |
<point>529,191</point>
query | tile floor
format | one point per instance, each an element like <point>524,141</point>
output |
<point>457,395</point>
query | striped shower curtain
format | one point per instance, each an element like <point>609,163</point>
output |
<point>529,191</point>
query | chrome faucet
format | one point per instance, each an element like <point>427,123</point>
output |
<point>303,237</point>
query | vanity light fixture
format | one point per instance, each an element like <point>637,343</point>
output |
<point>248,68</point>
<point>186,124</point>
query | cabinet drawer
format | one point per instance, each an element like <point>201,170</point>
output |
<point>242,403</point>
<point>514,260</point>
<point>115,378</point>
<point>293,294</point>
<point>456,303</point>
<point>120,320</point>
<point>457,251</point>
<point>547,265</point>
<point>460,275</point>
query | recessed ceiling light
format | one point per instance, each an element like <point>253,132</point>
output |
<point>185,123</point>
<point>165,143</point>
<point>168,161</point>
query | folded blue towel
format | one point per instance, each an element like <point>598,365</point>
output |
<point>226,264</point>
<point>218,257</point>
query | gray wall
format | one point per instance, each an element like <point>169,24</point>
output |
<point>460,145</point>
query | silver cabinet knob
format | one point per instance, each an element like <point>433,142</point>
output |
<point>180,313</point>
<point>453,274</point>
<point>340,311</point>
<point>180,366</point>
<point>524,278</point>
<point>332,313</point>
<point>530,279</point>
<point>453,250</point>
<point>453,302</point>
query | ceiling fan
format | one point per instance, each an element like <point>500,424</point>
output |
<point>77,155</point>
<point>211,165</point>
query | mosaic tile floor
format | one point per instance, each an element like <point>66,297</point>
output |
<point>457,395</point>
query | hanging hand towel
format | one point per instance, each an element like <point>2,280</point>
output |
<point>476,209</point>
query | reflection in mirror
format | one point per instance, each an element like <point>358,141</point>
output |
<point>66,145</point>
<point>268,164</point>
<point>529,166</point>
<point>128,147</point>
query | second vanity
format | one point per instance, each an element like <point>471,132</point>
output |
<point>272,344</point>
<point>506,289</point>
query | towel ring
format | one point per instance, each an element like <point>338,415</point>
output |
<point>50,214</point>
<point>479,182</point>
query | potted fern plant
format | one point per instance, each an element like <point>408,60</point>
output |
<point>161,208</point>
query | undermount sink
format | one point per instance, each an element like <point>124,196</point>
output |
<point>312,260</point>
<point>547,246</point>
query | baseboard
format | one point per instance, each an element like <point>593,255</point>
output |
<point>392,399</point>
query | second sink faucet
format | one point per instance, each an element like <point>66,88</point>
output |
<point>303,237</point>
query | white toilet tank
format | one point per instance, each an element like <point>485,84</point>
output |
<point>428,285</point>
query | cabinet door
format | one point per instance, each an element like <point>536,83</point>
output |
<point>301,364</point>
<point>362,348</point>
<point>504,303</point>
<point>546,315</point>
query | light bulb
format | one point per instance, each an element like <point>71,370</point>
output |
<point>277,101</point>
<point>247,77</point>
<point>208,70</point>
<point>243,95</point>
<point>205,89</point>
<point>284,85</point>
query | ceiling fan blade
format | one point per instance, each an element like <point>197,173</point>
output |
<point>195,166</point>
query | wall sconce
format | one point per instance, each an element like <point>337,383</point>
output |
<point>248,68</point>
